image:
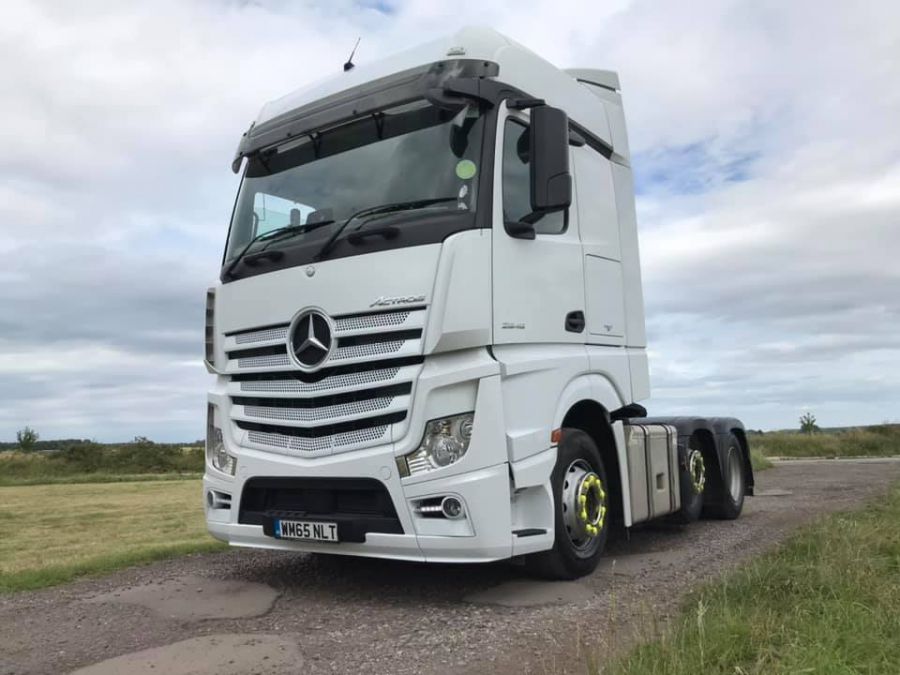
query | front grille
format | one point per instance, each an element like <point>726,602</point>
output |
<point>352,402</point>
<point>357,505</point>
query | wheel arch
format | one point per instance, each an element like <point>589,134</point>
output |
<point>713,431</point>
<point>587,407</point>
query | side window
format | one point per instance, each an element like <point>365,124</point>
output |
<point>516,181</point>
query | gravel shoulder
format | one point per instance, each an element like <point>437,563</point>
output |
<point>334,614</point>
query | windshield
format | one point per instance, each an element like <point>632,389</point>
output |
<point>413,153</point>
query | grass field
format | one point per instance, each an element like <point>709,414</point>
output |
<point>96,478</point>
<point>50,534</point>
<point>826,602</point>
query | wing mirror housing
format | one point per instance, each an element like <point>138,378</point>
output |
<point>551,181</point>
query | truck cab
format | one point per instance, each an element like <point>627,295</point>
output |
<point>428,335</point>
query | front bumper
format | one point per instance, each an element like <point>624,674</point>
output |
<point>481,480</point>
<point>484,492</point>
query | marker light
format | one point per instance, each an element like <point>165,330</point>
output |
<point>210,341</point>
<point>445,441</point>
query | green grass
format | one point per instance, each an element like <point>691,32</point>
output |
<point>51,534</point>
<point>67,479</point>
<point>828,601</point>
<point>876,441</point>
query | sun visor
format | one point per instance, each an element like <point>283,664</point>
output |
<point>396,89</point>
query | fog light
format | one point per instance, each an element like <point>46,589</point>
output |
<point>216,455</point>
<point>218,500</point>
<point>452,508</point>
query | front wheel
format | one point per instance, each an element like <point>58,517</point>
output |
<point>582,517</point>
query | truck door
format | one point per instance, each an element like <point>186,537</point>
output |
<point>539,283</point>
<point>599,229</point>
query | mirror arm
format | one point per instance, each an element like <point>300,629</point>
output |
<point>524,103</point>
<point>520,230</point>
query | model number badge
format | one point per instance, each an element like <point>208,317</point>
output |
<point>385,301</point>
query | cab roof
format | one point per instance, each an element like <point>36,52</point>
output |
<point>518,66</point>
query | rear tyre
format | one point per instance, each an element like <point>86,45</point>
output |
<point>582,510</point>
<point>730,500</point>
<point>693,479</point>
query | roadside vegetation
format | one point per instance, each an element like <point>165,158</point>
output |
<point>79,461</point>
<point>824,602</point>
<point>51,534</point>
<point>882,440</point>
<point>759,461</point>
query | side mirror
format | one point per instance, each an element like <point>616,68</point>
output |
<point>551,182</point>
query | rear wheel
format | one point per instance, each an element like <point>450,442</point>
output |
<point>582,516</point>
<point>730,500</point>
<point>693,481</point>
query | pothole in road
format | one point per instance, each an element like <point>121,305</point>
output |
<point>214,654</point>
<point>195,597</point>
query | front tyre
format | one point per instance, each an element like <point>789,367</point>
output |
<point>582,510</point>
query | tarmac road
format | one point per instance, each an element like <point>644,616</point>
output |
<point>265,612</point>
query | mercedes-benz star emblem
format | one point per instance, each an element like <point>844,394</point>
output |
<point>310,339</point>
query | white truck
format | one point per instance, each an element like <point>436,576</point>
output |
<point>428,340</point>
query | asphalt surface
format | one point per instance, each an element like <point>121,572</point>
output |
<point>267,612</point>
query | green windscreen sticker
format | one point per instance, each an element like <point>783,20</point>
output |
<point>465,169</point>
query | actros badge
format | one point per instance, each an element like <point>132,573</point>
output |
<point>385,301</point>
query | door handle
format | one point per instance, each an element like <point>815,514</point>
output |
<point>575,321</point>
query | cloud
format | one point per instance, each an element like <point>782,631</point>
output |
<point>765,148</point>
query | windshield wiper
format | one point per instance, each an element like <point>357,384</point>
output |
<point>272,236</point>
<point>372,210</point>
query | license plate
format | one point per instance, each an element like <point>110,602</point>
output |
<point>307,530</point>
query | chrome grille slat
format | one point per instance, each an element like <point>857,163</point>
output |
<point>356,324</point>
<point>364,351</point>
<point>318,414</point>
<point>264,335</point>
<point>362,322</point>
<point>264,361</point>
<point>322,417</point>
<point>328,384</point>
<point>311,446</point>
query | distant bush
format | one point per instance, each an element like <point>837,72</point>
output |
<point>27,439</point>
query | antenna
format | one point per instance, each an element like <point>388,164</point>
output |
<point>349,64</point>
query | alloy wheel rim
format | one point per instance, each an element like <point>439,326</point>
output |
<point>584,506</point>
<point>697,470</point>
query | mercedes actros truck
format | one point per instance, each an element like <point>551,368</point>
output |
<point>428,337</point>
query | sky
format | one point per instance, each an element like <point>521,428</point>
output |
<point>765,142</point>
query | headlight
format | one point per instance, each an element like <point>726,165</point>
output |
<point>445,442</point>
<point>216,455</point>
